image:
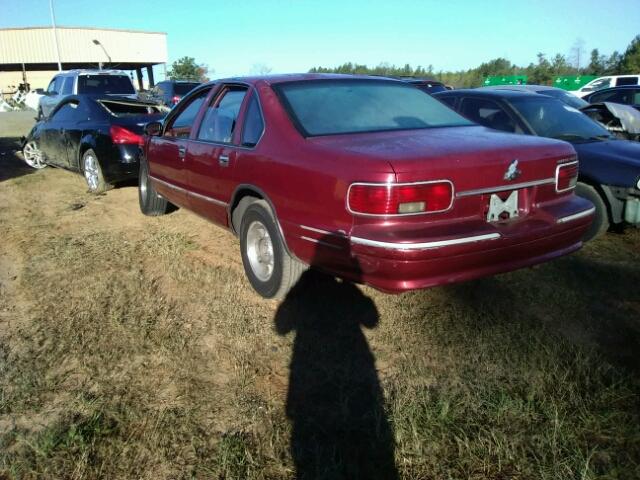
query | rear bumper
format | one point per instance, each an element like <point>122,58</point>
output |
<point>124,164</point>
<point>421,256</point>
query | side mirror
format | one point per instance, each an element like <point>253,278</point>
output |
<point>39,91</point>
<point>153,129</point>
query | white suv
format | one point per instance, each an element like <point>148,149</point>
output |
<point>73,82</point>
<point>606,82</point>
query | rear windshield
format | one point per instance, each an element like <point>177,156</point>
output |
<point>123,109</point>
<point>329,107</point>
<point>184,88</point>
<point>110,84</point>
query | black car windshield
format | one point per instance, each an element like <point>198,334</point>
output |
<point>565,97</point>
<point>552,118</point>
<point>329,107</point>
<point>184,88</point>
<point>109,84</point>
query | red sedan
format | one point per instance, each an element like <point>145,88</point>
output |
<point>368,179</point>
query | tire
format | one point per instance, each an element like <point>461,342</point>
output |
<point>33,155</point>
<point>601,219</point>
<point>271,271</point>
<point>92,172</point>
<point>151,203</point>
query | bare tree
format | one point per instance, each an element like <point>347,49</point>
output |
<point>260,69</point>
<point>577,53</point>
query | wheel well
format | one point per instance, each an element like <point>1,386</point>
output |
<point>241,201</point>
<point>614,206</point>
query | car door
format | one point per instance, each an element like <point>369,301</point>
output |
<point>166,153</point>
<point>53,139</point>
<point>212,154</point>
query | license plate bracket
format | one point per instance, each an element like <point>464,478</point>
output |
<point>503,209</point>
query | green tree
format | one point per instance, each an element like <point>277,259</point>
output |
<point>186,68</point>
<point>631,58</point>
<point>598,63</point>
<point>613,64</point>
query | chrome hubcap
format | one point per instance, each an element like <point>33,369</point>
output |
<point>260,251</point>
<point>33,155</point>
<point>91,171</point>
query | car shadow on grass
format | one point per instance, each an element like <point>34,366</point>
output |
<point>11,165</point>
<point>335,403</point>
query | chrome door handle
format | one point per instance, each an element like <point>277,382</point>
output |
<point>182,152</point>
<point>223,160</point>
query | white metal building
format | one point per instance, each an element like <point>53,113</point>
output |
<point>30,54</point>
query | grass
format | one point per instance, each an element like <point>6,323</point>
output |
<point>133,348</point>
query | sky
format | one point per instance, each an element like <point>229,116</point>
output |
<point>236,37</point>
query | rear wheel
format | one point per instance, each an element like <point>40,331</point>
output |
<point>151,203</point>
<point>93,173</point>
<point>268,266</point>
<point>33,155</point>
<point>601,217</point>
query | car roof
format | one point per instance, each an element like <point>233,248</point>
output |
<point>487,92</point>
<point>297,77</point>
<point>92,72</point>
<point>528,87</point>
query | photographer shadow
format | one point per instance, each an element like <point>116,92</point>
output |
<point>335,401</point>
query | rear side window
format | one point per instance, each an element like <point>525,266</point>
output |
<point>449,101</point>
<point>487,113</point>
<point>184,88</point>
<point>219,121</point>
<point>627,81</point>
<point>180,125</point>
<point>109,84</point>
<point>253,124</point>
<point>636,97</point>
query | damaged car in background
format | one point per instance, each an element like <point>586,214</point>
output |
<point>97,136</point>
<point>609,173</point>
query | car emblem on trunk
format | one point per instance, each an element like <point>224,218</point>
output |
<point>512,172</point>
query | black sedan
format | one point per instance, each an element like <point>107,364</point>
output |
<point>609,168</point>
<point>97,136</point>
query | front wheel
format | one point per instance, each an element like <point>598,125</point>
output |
<point>601,217</point>
<point>270,269</point>
<point>33,155</point>
<point>93,173</point>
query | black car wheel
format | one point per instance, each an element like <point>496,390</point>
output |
<point>93,173</point>
<point>151,203</point>
<point>270,269</point>
<point>601,218</point>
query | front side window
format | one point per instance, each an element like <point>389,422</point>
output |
<point>613,96</point>
<point>487,113</point>
<point>219,121</point>
<point>108,84</point>
<point>180,125</point>
<point>329,107</point>
<point>56,85</point>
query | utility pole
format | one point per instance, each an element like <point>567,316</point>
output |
<point>55,35</point>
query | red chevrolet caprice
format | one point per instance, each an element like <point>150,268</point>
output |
<point>368,179</point>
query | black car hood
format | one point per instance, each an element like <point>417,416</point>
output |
<point>610,162</point>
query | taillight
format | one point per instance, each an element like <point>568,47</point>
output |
<point>566,176</point>
<point>121,135</point>
<point>400,199</point>
<point>175,99</point>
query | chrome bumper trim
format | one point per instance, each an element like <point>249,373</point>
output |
<point>575,216</point>
<point>424,245</point>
